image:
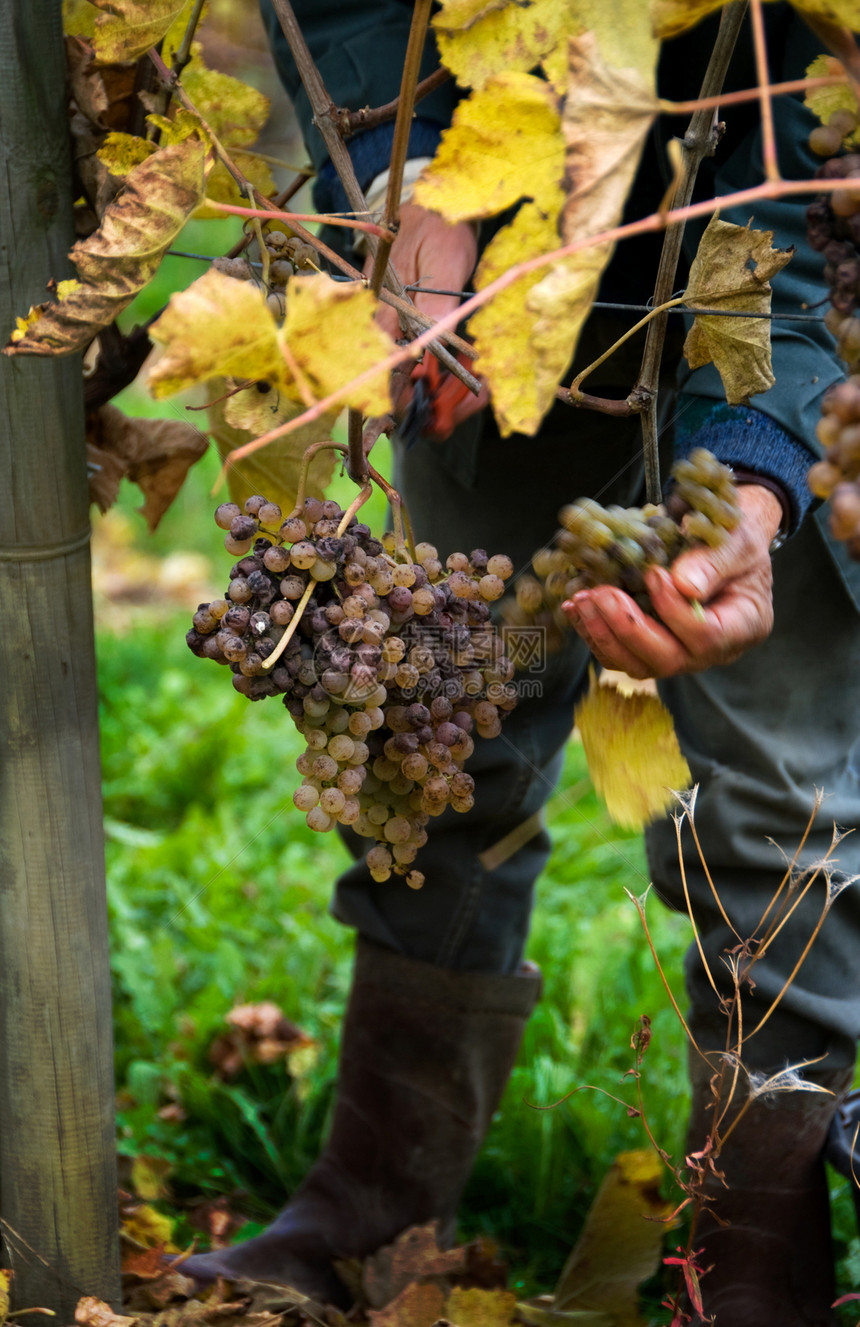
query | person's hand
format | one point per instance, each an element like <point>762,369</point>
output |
<point>712,604</point>
<point>429,249</point>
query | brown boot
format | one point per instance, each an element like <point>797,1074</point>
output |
<point>765,1234</point>
<point>425,1056</point>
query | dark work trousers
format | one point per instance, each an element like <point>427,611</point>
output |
<point>760,736</point>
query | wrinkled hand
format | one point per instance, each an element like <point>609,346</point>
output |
<point>712,605</point>
<point>429,249</point>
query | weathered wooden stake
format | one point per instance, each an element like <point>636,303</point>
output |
<point>58,1223</point>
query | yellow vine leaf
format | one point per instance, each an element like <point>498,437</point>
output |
<point>222,188</point>
<point>79,18</point>
<point>127,29</point>
<point>331,332</point>
<point>522,375</point>
<point>120,153</point>
<point>276,469</point>
<point>233,110</point>
<point>824,101</point>
<point>478,40</point>
<point>619,1247</point>
<point>221,327</point>
<point>475,1307</point>
<point>504,144</point>
<point>673,16</point>
<point>6,1275</point>
<point>118,259</point>
<point>732,271</point>
<point>218,327</point>
<point>633,755</point>
<point>527,335</point>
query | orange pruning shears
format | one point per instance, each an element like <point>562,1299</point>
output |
<point>436,395</point>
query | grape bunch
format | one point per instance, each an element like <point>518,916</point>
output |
<point>285,255</point>
<point>390,667</point>
<point>616,545</point>
<point>837,477</point>
<point>833,228</point>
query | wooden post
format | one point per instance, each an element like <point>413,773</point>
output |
<point>58,1193</point>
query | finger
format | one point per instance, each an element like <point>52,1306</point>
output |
<point>739,616</point>
<point>622,636</point>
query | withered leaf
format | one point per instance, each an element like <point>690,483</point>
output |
<point>633,755</point>
<point>93,1312</point>
<point>414,1256</point>
<point>85,81</point>
<point>607,115</point>
<point>120,257</point>
<point>620,1244</point>
<point>155,454</point>
<point>732,271</point>
<point>416,1306</point>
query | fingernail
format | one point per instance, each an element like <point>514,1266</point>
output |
<point>584,606</point>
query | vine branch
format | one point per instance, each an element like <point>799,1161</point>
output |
<point>354,122</point>
<point>325,118</point>
<point>699,142</point>
<point>656,222</point>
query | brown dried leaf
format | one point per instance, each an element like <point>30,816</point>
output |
<point>155,454</point>
<point>86,82</point>
<point>93,1312</point>
<point>607,115</point>
<point>416,1306</point>
<point>124,253</point>
<point>732,271</point>
<point>414,1256</point>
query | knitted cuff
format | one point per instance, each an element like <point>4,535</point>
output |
<point>754,445</point>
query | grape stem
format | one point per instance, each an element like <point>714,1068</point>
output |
<point>403,543</point>
<point>291,629</point>
<point>353,508</point>
<point>307,456</point>
<point>631,331</point>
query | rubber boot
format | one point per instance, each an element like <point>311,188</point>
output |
<point>764,1234</point>
<point>425,1056</point>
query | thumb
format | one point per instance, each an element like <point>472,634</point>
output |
<point>699,573</point>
